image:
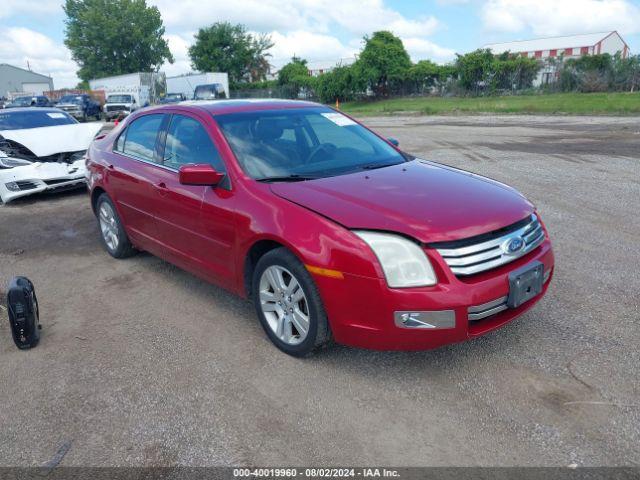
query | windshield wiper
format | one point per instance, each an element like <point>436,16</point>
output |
<point>373,166</point>
<point>294,177</point>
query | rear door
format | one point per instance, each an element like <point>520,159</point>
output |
<point>132,175</point>
<point>196,223</point>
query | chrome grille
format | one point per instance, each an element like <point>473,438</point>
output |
<point>472,258</point>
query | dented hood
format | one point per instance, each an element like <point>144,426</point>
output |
<point>426,201</point>
<point>45,141</point>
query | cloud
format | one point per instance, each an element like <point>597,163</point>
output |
<point>358,17</point>
<point>39,8</point>
<point>561,17</point>
<point>315,47</point>
<point>20,45</point>
<point>322,31</point>
<point>422,49</point>
<point>179,46</point>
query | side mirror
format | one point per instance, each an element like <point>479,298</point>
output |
<point>393,141</point>
<point>201,174</point>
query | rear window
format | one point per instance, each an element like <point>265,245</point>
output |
<point>33,119</point>
<point>140,137</point>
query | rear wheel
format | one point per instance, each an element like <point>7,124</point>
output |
<point>114,238</point>
<point>288,304</point>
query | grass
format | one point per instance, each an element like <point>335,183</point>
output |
<point>556,103</point>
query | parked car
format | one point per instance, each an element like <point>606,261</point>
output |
<point>330,229</point>
<point>29,101</point>
<point>82,107</point>
<point>41,149</point>
<point>119,105</point>
<point>213,91</point>
<point>173,98</point>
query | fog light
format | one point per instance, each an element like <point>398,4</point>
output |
<point>12,187</point>
<point>432,320</point>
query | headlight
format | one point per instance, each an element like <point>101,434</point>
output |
<point>404,263</point>
<point>7,162</point>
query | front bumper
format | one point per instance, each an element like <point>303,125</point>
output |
<point>116,114</point>
<point>364,312</point>
<point>41,177</point>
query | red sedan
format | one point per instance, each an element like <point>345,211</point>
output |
<point>331,230</point>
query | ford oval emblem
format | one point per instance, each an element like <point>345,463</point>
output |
<point>513,245</point>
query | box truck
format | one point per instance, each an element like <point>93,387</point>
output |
<point>126,93</point>
<point>200,86</point>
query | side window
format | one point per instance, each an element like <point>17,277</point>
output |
<point>120,142</point>
<point>140,137</point>
<point>189,142</point>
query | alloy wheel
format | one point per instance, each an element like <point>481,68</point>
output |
<point>109,226</point>
<point>284,305</point>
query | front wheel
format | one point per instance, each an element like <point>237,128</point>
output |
<point>288,304</point>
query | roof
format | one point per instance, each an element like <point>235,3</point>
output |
<point>551,43</point>
<point>244,105</point>
<point>25,70</point>
<point>11,110</point>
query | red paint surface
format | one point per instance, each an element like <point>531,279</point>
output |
<point>209,231</point>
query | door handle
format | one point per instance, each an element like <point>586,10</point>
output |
<point>161,188</point>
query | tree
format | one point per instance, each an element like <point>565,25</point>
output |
<point>342,83</point>
<point>113,37</point>
<point>424,74</point>
<point>475,69</point>
<point>294,77</point>
<point>383,62</point>
<point>223,47</point>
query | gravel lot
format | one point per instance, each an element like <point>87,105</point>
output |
<point>143,364</point>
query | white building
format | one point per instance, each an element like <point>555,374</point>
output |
<point>571,46</point>
<point>15,81</point>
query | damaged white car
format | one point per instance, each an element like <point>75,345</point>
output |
<point>41,149</point>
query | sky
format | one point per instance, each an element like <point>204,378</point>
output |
<point>325,31</point>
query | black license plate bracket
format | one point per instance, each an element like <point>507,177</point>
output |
<point>525,283</point>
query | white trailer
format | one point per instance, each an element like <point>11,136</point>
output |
<point>126,93</point>
<point>186,84</point>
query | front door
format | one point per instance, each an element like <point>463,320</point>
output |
<point>197,237</point>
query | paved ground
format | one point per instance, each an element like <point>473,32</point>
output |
<point>143,364</point>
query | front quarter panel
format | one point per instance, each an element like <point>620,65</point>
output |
<point>316,240</point>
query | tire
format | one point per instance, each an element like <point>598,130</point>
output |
<point>84,117</point>
<point>112,233</point>
<point>266,298</point>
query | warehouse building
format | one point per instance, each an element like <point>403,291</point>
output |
<point>15,80</point>
<point>572,46</point>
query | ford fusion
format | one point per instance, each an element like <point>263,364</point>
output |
<point>332,231</point>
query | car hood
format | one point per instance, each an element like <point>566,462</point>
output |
<point>45,141</point>
<point>420,199</point>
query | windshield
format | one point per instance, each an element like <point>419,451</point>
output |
<point>33,119</point>
<point>71,99</point>
<point>119,99</point>
<point>204,92</point>
<point>304,143</point>
<point>173,96</point>
<point>23,101</point>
